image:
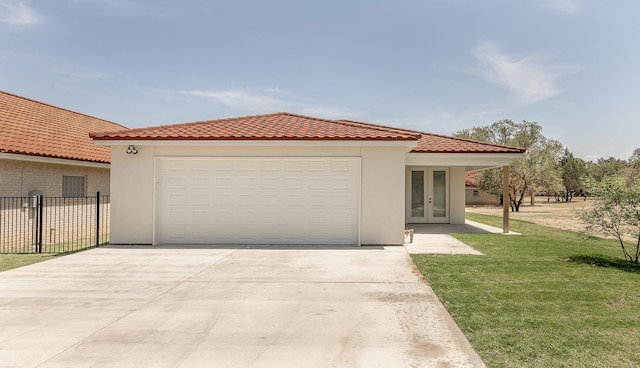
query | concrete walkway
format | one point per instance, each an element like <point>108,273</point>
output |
<point>211,307</point>
<point>435,238</point>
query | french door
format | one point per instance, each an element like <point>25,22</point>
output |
<point>427,195</point>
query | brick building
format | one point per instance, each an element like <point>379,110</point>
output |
<point>47,150</point>
<point>475,195</point>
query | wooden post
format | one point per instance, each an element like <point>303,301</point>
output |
<point>505,199</point>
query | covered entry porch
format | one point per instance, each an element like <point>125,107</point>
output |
<point>435,192</point>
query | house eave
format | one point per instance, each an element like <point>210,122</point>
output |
<point>409,144</point>
<point>51,160</point>
<point>472,161</point>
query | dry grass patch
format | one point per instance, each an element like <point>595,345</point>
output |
<point>561,215</point>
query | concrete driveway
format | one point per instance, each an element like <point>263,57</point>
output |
<point>211,307</point>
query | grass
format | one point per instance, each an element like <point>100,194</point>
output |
<point>546,298</point>
<point>15,260</point>
<point>10,261</point>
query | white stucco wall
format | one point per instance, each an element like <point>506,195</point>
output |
<point>132,196</point>
<point>382,195</point>
<point>457,195</point>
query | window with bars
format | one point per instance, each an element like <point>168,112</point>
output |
<point>73,186</point>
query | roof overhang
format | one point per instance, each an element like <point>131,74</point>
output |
<point>472,161</point>
<point>51,160</point>
<point>408,144</point>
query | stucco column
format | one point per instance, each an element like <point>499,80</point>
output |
<point>505,199</point>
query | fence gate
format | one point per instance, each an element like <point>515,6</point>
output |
<point>53,224</point>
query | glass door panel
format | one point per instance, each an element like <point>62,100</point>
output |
<point>439,205</point>
<point>438,211</point>
<point>417,194</point>
<point>427,195</point>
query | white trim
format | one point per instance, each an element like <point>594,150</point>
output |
<point>460,159</point>
<point>154,204</point>
<point>220,158</point>
<point>454,155</point>
<point>266,143</point>
<point>359,199</point>
<point>50,160</point>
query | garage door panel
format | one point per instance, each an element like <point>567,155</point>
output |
<point>317,183</point>
<point>343,166</point>
<point>293,165</point>
<point>271,200</point>
<point>223,182</point>
<point>317,166</point>
<point>294,183</point>
<point>258,200</point>
<point>318,200</point>
<point>340,183</point>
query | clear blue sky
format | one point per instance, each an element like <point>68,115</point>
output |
<point>433,65</point>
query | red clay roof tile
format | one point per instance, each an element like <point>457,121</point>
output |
<point>470,178</point>
<point>287,126</point>
<point>34,128</point>
<point>437,143</point>
<point>277,126</point>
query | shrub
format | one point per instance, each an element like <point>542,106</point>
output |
<point>615,212</point>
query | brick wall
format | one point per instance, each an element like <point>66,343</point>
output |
<point>17,178</point>
<point>483,198</point>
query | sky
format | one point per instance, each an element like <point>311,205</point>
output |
<point>438,66</point>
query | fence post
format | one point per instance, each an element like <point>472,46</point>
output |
<point>97,219</point>
<point>39,224</point>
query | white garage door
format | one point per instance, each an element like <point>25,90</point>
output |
<point>257,200</point>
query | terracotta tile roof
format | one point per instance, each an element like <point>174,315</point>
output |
<point>277,126</point>
<point>34,128</point>
<point>287,126</point>
<point>470,178</point>
<point>437,143</point>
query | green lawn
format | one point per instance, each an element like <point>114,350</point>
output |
<point>9,261</point>
<point>15,260</point>
<point>546,298</point>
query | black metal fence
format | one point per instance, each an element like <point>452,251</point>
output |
<point>53,224</point>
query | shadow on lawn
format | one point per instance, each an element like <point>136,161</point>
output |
<point>604,261</point>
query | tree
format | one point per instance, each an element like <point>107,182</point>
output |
<point>603,168</point>
<point>615,212</point>
<point>573,171</point>
<point>635,157</point>
<point>491,182</point>
<point>632,172</point>
<point>537,170</point>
